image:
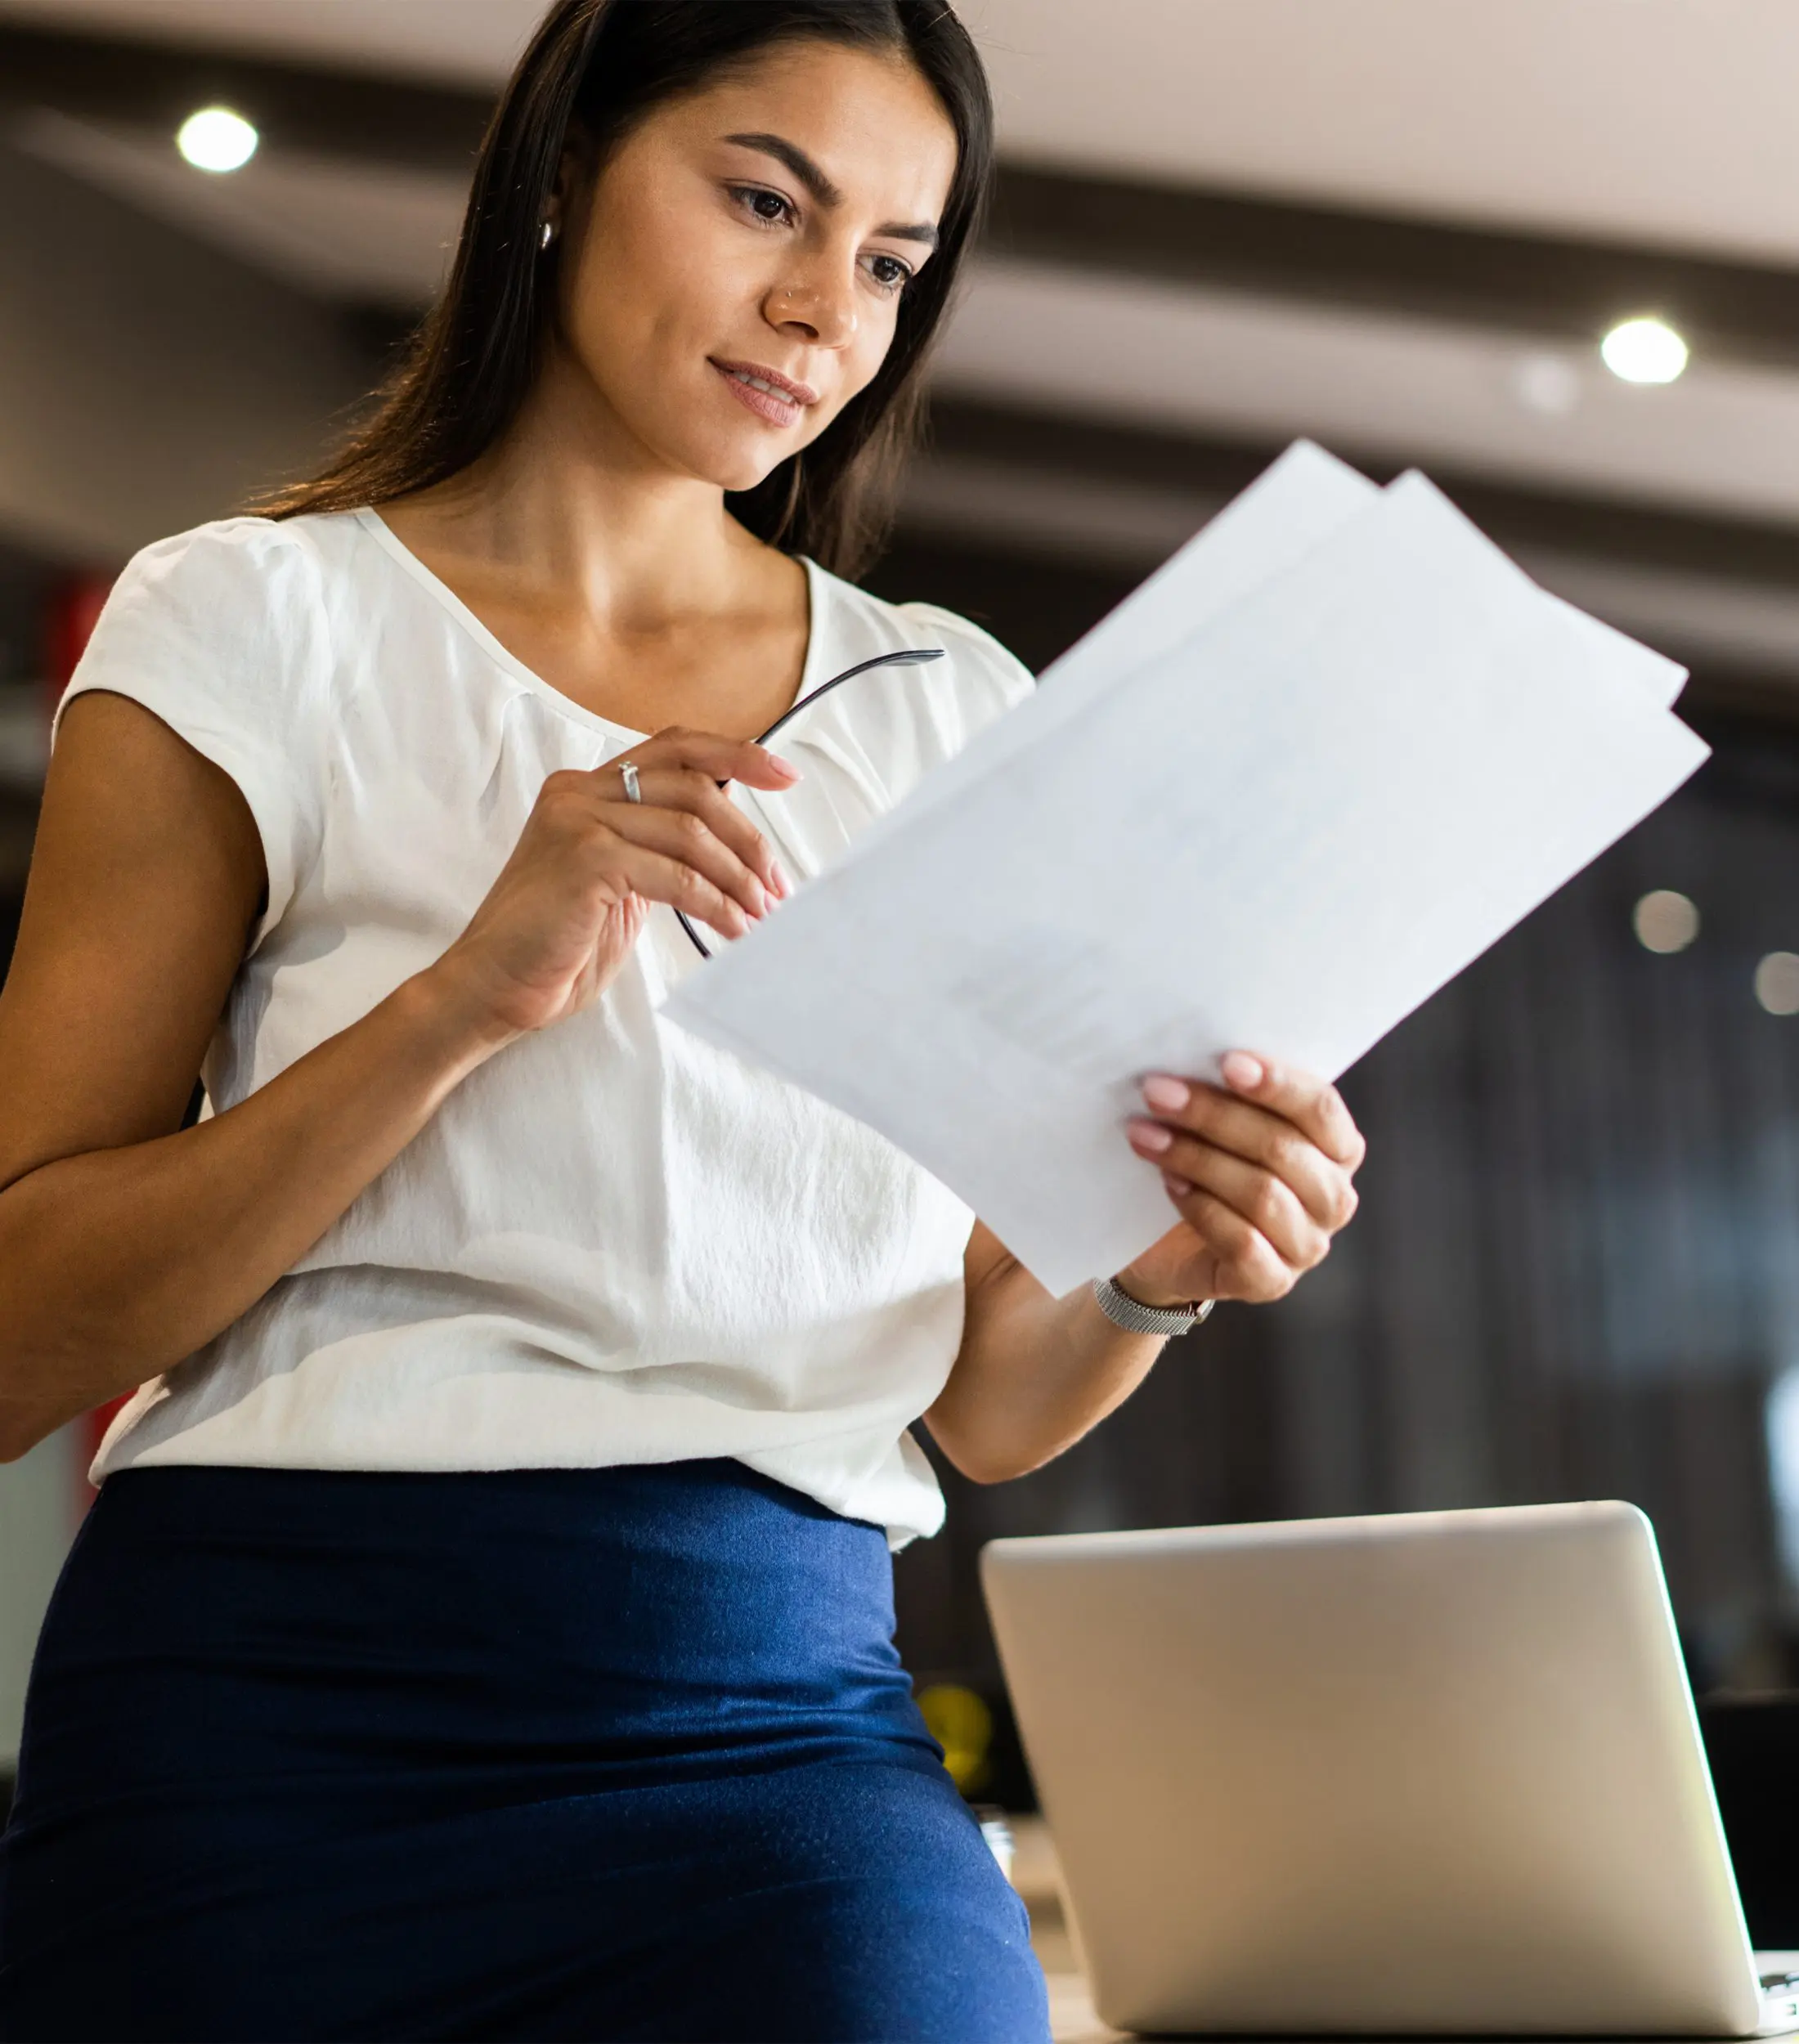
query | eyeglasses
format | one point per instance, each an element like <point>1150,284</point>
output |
<point>907,656</point>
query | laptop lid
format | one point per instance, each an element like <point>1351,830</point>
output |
<point>1436,1772</point>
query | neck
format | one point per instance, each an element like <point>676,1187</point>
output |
<point>572,506</point>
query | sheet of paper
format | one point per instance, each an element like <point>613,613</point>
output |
<point>1294,504</point>
<point>1283,834</point>
<point>1664,678</point>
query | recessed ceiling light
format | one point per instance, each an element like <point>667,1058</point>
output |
<point>217,139</point>
<point>1777,983</point>
<point>1645,350</point>
<point>1665,922</point>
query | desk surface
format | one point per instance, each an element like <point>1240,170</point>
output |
<point>1071,2017</point>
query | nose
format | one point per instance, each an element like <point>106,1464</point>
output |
<point>822,314</point>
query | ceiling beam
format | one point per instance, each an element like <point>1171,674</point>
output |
<point>353,116</point>
<point>1545,286</point>
<point>1553,288</point>
<point>1039,608</point>
<point>1756,553</point>
<point>1075,504</point>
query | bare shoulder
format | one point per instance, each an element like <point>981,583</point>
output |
<point>146,877</point>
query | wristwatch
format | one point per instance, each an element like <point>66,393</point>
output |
<point>1123,1311</point>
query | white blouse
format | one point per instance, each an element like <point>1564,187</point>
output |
<point>612,1243</point>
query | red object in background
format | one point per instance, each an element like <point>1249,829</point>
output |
<point>69,617</point>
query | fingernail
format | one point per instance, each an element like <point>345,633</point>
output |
<point>1241,1070</point>
<point>1150,1136</point>
<point>786,766</point>
<point>1167,1095</point>
<point>1179,1186</point>
<point>782,885</point>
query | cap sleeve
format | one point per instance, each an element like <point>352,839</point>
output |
<point>220,633</point>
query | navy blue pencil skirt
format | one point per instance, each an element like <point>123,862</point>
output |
<point>538,1754</point>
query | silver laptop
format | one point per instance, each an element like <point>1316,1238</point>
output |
<point>1437,1773</point>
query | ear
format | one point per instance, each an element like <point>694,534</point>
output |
<point>574,179</point>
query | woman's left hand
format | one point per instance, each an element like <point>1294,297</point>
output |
<point>1259,1171</point>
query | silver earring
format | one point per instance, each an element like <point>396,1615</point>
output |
<point>546,234</point>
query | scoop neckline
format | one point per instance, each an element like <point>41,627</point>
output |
<point>502,656</point>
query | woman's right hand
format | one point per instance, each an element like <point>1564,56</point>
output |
<point>559,922</point>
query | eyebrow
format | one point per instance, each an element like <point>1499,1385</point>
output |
<point>821,188</point>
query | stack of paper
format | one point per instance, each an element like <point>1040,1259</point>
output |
<point>1320,762</point>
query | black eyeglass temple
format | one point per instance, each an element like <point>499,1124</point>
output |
<point>906,657</point>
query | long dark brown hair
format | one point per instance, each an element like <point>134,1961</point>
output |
<point>594,68</point>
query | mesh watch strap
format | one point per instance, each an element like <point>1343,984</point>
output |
<point>1124,1312</point>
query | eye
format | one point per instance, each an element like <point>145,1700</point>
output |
<point>889,272</point>
<point>766,205</point>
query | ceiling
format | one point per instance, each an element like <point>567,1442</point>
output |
<point>1659,120</point>
<point>1272,271</point>
<point>1668,121</point>
<point>362,232</point>
<point>469,41</point>
<point>1726,438</point>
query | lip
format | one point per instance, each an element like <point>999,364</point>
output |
<point>779,410</point>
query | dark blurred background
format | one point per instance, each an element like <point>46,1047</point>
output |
<point>1404,229</point>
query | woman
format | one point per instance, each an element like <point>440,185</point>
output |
<point>483,1630</point>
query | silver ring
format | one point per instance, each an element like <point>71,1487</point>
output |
<point>632,793</point>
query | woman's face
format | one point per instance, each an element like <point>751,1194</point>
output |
<point>757,233</point>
